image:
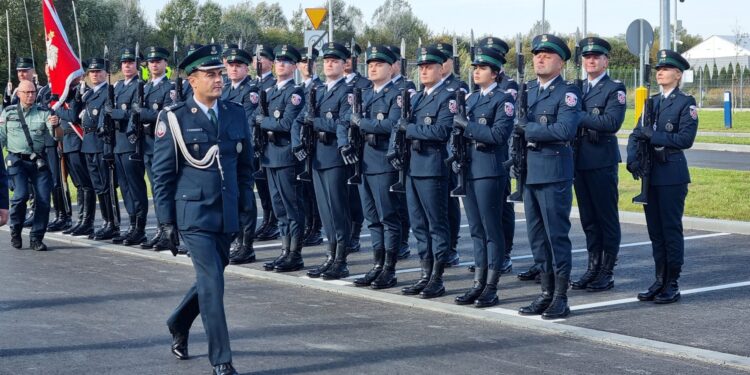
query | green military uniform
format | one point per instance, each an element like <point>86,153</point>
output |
<point>27,163</point>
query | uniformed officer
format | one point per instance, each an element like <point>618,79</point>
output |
<point>269,228</point>
<point>380,114</point>
<point>486,127</point>
<point>75,161</point>
<point>23,129</point>
<point>597,157</point>
<point>157,94</point>
<point>398,81</point>
<point>200,188</point>
<point>285,103</point>
<point>60,203</point>
<point>454,209</point>
<point>675,124</point>
<point>510,86</point>
<point>92,148</point>
<point>428,176</point>
<point>242,90</point>
<point>356,80</point>
<point>24,72</point>
<point>225,50</point>
<point>330,119</point>
<point>187,90</point>
<point>313,225</point>
<point>130,173</point>
<point>554,111</point>
<point>3,192</point>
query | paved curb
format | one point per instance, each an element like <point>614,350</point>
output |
<point>707,146</point>
<point>568,331</point>
<point>688,222</point>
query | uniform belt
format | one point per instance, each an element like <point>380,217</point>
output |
<point>553,144</point>
<point>26,157</point>
<point>89,130</point>
<point>68,132</point>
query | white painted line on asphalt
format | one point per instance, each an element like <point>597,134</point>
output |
<point>682,292</point>
<point>529,256</point>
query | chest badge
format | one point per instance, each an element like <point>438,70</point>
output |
<point>669,127</point>
<point>239,147</point>
<point>380,117</point>
<point>595,111</point>
<point>155,106</point>
<point>124,106</point>
<point>543,120</point>
<point>329,115</point>
<point>276,114</point>
<point>94,111</point>
<point>196,147</point>
<point>428,120</point>
<point>482,121</point>
<point>193,110</point>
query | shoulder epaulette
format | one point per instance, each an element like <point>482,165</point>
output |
<point>616,81</point>
<point>570,83</point>
<point>174,106</point>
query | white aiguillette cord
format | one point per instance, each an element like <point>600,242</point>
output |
<point>179,144</point>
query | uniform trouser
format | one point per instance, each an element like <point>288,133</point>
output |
<point>403,213</point>
<point>547,208</point>
<point>355,205</point>
<point>427,198</point>
<point>53,161</point>
<point>597,195</point>
<point>664,210</point>
<point>78,170</point>
<point>509,218</point>
<point>209,252</point>
<point>454,215</point>
<point>25,173</point>
<point>485,212</point>
<point>264,195</point>
<point>98,172</point>
<point>286,196</point>
<point>331,193</point>
<point>130,174</point>
<point>311,206</point>
<point>381,209</point>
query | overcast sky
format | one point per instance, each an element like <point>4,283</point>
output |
<point>504,18</point>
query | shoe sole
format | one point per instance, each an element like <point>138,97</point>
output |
<point>390,285</point>
<point>665,302</point>
<point>439,294</point>
<point>594,290</point>
<point>242,262</point>
<point>558,316</point>
<point>483,305</point>
<point>293,269</point>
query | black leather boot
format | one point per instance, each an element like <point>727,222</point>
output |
<point>123,236</point>
<point>245,252</point>
<point>236,244</point>
<point>109,230</point>
<point>56,225</point>
<point>532,274</point>
<point>434,287</point>
<point>507,265</point>
<point>379,258</point>
<point>15,236</point>
<point>263,225</point>
<point>314,237</point>
<point>89,210</point>
<point>323,267</point>
<point>489,294</point>
<point>558,308</point>
<point>671,291</point>
<point>153,240</point>
<point>354,245</point>
<point>38,245</point>
<point>541,303</point>
<point>272,230</point>
<point>338,269</point>
<point>270,266</point>
<point>605,279</point>
<point>657,286</point>
<point>403,251</point>
<point>480,280</point>
<point>417,287</point>
<point>138,236</point>
<point>387,278</point>
<point>293,261</point>
<point>80,214</point>
<point>105,216</point>
<point>595,259</point>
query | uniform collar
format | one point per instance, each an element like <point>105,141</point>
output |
<point>155,81</point>
<point>280,84</point>
<point>596,80</point>
<point>546,85</point>
<point>331,84</point>
<point>432,89</point>
<point>487,91</point>
<point>236,85</point>
<point>99,86</point>
<point>396,78</point>
<point>350,76</point>
<point>666,94</point>
<point>205,108</point>
<point>266,74</point>
<point>127,81</point>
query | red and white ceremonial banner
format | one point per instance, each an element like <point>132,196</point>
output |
<point>64,66</point>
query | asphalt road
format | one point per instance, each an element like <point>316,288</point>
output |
<point>712,159</point>
<point>82,310</point>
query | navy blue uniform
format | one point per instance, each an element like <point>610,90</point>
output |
<point>454,208</point>
<point>330,173</point>
<point>380,206</point>
<point>155,98</point>
<point>246,94</point>
<point>285,103</point>
<point>312,216</point>
<point>92,145</point>
<point>428,176</point>
<point>130,173</point>
<point>359,81</point>
<point>266,83</point>
<point>675,127</point>
<point>553,115</point>
<point>490,124</point>
<point>597,158</point>
<point>53,155</point>
<point>508,85</point>
<point>205,205</point>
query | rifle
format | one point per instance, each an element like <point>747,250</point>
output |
<point>354,134</point>
<point>259,139</point>
<point>400,144</point>
<point>354,57</point>
<point>108,128</point>
<point>472,54</point>
<point>458,146</point>
<point>518,142</point>
<point>177,79</point>
<point>643,151</point>
<point>135,117</point>
<point>307,136</point>
<point>9,88</point>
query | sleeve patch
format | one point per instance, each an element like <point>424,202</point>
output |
<point>254,97</point>
<point>571,99</point>
<point>513,92</point>
<point>161,129</point>
<point>694,112</point>
<point>452,106</point>
<point>621,97</point>
<point>350,98</point>
<point>399,101</point>
<point>510,109</point>
<point>296,99</point>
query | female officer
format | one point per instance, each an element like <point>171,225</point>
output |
<point>673,125</point>
<point>486,126</point>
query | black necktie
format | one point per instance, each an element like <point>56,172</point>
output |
<point>212,117</point>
